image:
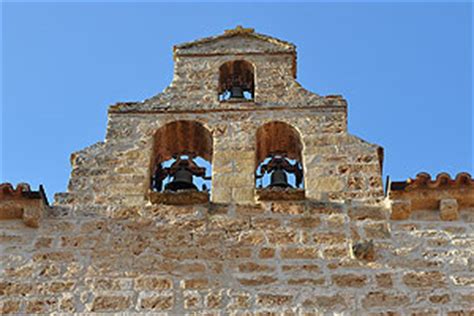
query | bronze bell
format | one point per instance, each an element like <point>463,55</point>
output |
<point>182,180</point>
<point>236,92</point>
<point>279,179</point>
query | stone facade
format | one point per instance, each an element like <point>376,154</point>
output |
<point>112,245</point>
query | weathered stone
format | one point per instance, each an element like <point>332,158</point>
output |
<point>10,307</point>
<point>384,299</point>
<point>329,238</point>
<point>439,299</point>
<point>104,303</point>
<point>377,230</point>
<point>367,212</point>
<point>273,300</point>
<point>401,209</point>
<point>260,280</point>
<point>349,280</point>
<point>157,302</point>
<point>40,306</point>
<point>448,209</point>
<point>254,267</point>
<point>299,253</point>
<point>214,300</point>
<point>424,279</point>
<point>326,184</point>
<point>384,280</point>
<point>153,283</point>
<point>287,208</point>
<point>266,253</point>
<point>195,283</point>
<point>332,302</point>
<point>282,236</point>
<point>306,222</point>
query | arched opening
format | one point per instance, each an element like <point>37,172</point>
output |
<point>279,161</point>
<point>236,81</point>
<point>182,156</point>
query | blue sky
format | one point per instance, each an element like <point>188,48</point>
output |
<point>405,69</point>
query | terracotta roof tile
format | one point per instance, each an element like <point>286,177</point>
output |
<point>442,180</point>
<point>22,191</point>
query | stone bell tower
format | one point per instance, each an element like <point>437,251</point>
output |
<point>236,191</point>
<point>234,126</point>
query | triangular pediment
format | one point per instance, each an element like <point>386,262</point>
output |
<point>236,41</point>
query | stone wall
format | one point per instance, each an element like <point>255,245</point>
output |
<point>296,258</point>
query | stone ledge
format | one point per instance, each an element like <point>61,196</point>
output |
<point>185,197</point>
<point>280,194</point>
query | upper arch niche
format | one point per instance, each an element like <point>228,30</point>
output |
<point>236,81</point>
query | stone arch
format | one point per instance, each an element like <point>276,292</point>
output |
<point>236,81</point>
<point>280,139</point>
<point>181,138</point>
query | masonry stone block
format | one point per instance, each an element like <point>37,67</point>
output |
<point>448,209</point>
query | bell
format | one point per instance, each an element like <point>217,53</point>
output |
<point>279,179</point>
<point>236,92</point>
<point>182,180</point>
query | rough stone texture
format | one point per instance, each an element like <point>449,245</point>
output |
<point>448,209</point>
<point>104,247</point>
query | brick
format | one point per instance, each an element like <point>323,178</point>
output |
<point>287,208</point>
<point>367,212</point>
<point>384,280</point>
<point>39,306</point>
<point>307,222</point>
<point>306,281</point>
<point>326,184</point>
<point>301,267</point>
<point>439,299</point>
<point>151,283</point>
<point>336,252</point>
<point>214,300</point>
<point>249,267</point>
<point>200,283</point>
<point>240,300</point>
<point>299,253</point>
<point>384,299</point>
<point>326,302</point>
<point>401,209</point>
<point>157,302</point>
<point>282,236</point>
<point>192,300</point>
<point>329,238</point>
<point>349,280</point>
<point>273,300</point>
<point>266,253</point>
<point>266,223</point>
<point>433,279</point>
<point>105,303</point>
<point>257,281</point>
